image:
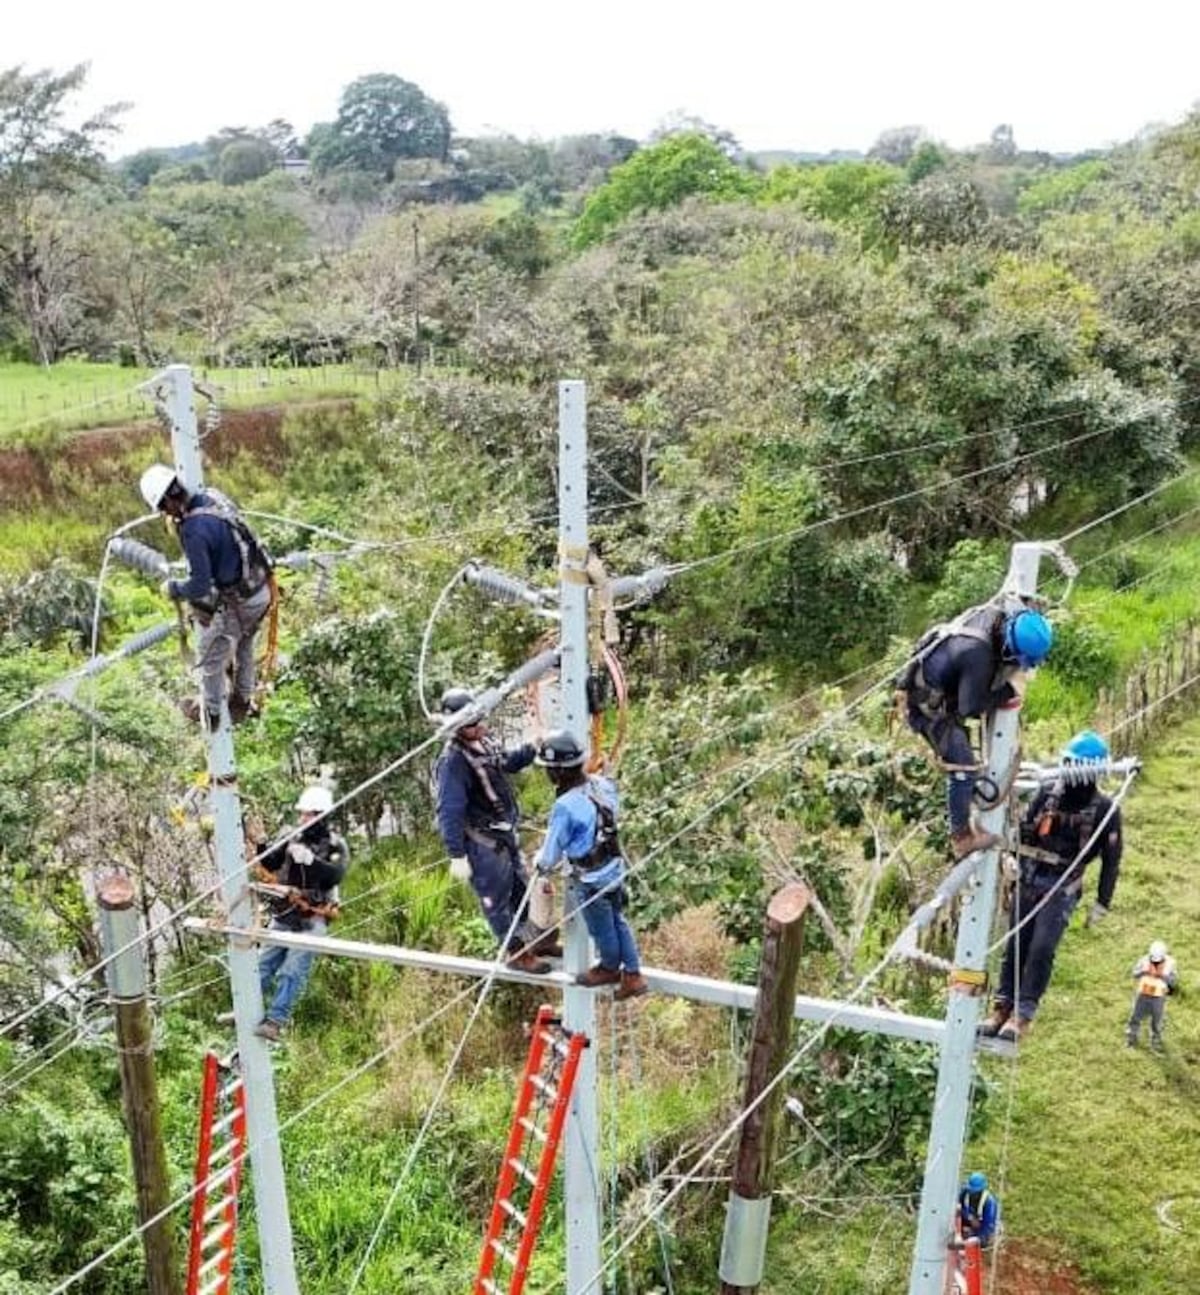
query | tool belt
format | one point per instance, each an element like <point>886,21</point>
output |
<point>286,899</point>
<point>1034,861</point>
<point>496,837</point>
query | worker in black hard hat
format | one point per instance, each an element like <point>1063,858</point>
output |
<point>478,816</point>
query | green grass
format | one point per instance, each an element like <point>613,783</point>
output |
<point>1100,1135</point>
<point>76,394</point>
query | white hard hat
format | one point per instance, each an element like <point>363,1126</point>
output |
<point>156,481</point>
<point>315,800</point>
<point>1158,951</point>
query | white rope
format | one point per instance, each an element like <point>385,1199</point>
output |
<point>427,637</point>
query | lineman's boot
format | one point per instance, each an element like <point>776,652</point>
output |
<point>970,840</point>
<point>1015,1030</point>
<point>547,945</point>
<point>530,962</point>
<point>633,985</point>
<point>995,1023</point>
<point>598,976</point>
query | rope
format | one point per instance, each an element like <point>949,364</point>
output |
<point>427,637</point>
<point>484,990</point>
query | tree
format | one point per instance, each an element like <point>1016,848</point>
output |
<point>662,175</point>
<point>381,118</point>
<point>898,145</point>
<point>244,160</point>
<point>42,158</point>
<point>138,169</point>
<point>1001,148</point>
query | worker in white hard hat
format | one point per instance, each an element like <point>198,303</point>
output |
<point>1156,978</point>
<point>228,588</point>
<point>306,868</point>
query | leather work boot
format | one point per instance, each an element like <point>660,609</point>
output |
<point>269,1029</point>
<point>189,708</point>
<point>598,976</point>
<point>995,1023</point>
<point>970,840</point>
<point>530,962</point>
<point>1015,1030</point>
<point>242,709</point>
<point>547,945</point>
<point>633,985</point>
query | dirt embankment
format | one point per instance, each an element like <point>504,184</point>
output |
<point>37,475</point>
<point>1027,1269</point>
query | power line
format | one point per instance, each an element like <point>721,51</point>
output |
<point>1124,508</point>
<point>1141,535</point>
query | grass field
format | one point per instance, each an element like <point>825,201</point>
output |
<point>75,394</point>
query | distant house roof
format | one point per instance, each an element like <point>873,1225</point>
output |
<point>297,165</point>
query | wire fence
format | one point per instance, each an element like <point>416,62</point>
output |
<point>1154,689</point>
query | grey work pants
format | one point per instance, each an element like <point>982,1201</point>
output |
<point>1146,1005</point>
<point>229,636</point>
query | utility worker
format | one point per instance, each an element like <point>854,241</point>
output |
<point>1156,979</point>
<point>981,662</point>
<point>978,1212</point>
<point>1067,825</point>
<point>583,832</point>
<point>307,870</point>
<point>228,588</point>
<point>477,817</point>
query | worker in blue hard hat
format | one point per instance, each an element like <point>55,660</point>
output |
<point>961,671</point>
<point>978,1211</point>
<point>1068,823</point>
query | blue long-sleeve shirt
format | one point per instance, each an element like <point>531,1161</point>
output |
<point>974,1220</point>
<point>964,669</point>
<point>213,557</point>
<point>462,800</point>
<point>571,832</point>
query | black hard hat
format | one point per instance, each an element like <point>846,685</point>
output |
<point>559,750</point>
<point>455,699</point>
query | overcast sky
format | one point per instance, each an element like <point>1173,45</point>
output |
<point>1068,74</point>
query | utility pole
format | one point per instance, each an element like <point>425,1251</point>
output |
<point>748,1213</point>
<point>417,289</point>
<point>943,1163</point>
<point>126,974</point>
<point>581,1163</point>
<point>262,1125</point>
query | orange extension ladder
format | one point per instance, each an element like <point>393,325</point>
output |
<point>537,1126</point>
<point>218,1174</point>
<point>967,1266</point>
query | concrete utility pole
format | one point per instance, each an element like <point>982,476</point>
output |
<point>943,1162</point>
<point>126,974</point>
<point>748,1214</point>
<point>262,1126</point>
<point>581,1163</point>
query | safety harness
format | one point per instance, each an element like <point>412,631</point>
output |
<point>973,1214</point>
<point>605,844</point>
<point>497,832</point>
<point>257,566</point>
<point>910,681</point>
<point>1054,823</point>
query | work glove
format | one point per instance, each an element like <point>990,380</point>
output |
<point>460,868</point>
<point>299,853</point>
<point>1097,913</point>
<point>1018,681</point>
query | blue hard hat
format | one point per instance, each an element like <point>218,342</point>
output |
<point>1087,745</point>
<point>1027,638</point>
<point>977,1182</point>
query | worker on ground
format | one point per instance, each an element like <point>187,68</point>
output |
<point>1156,979</point>
<point>306,868</point>
<point>978,1212</point>
<point>1067,825</point>
<point>962,671</point>
<point>583,832</point>
<point>478,817</point>
<point>228,588</point>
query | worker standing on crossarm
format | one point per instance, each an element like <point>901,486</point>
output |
<point>1067,825</point>
<point>1156,978</point>
<point>978,1212</point>
<point>963,671</point>
<point>306,869</point>
<point>583,832</point>
<point>478,817</point>
<point>228,589</point>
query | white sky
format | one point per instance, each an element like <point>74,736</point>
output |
<point>1068,74</point>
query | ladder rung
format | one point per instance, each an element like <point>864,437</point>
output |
<point>232,1089</point>
<point>221,1280</point>
<point>211,1265</point>
<point>223,1177</point>
<point>491,1287</point>
<point>550,1090</point>
<point>513,1213</point>
<point>555,1042</point>
<point>530,1127</point>
<point>504,1252</point>
<point>216,1211</point>
<point>225,1122</point>
<point>232,1147</point>
<point>216,1236</point>
<point>523,1169</point>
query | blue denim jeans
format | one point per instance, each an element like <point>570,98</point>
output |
<point>952,746</point>
<point>606,924</point>
<point>288,970</point>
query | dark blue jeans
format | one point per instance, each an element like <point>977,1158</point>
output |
<point>1034,946</point>
<point>605,921</point>
<point>952,746</point>
<point>287,971</point>
<point>499,881</point>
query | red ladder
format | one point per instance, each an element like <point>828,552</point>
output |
<point>546,1088</point>
<point>218,1173</point>
<point>967,1267</point>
